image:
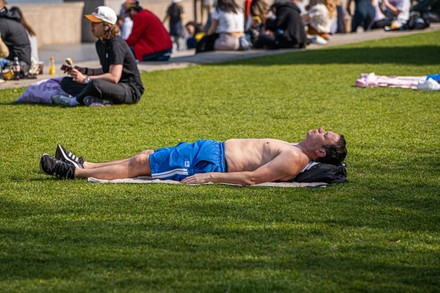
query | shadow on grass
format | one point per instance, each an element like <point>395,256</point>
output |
<point>31,104</point>
<point>155,251</point>
<point>416,55</point>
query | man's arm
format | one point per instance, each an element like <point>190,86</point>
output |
<point>285,166</point>
<point>394,10</point>
<point>114,74</point>
<point>213,27</point>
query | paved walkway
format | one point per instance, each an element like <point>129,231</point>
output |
<point>85,54</point>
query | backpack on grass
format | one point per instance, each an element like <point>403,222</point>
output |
<point>322,172</point>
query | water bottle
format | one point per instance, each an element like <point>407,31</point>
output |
<point>16,68</point>
<point>52,66</point>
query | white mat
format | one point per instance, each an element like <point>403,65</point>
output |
<point>150,180</point>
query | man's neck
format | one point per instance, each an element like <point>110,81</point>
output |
<point>309,153</point>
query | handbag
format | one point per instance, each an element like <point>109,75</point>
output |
<point>206,44</point>
<point>245,43</point>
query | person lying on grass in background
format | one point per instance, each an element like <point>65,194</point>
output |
<point>235,161</point>
<point>117,82</point>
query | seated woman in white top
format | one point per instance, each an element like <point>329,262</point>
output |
<point>228,21</point>
<point>396,13</point>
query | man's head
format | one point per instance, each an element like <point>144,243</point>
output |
<point>335,153</point>
<point>133,8</point>
<point>2,4</point>
<point>102,14</point>
<point>329,147</point>
<point>103,23</point>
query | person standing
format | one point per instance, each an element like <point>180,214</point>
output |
<point>118,80</point>
<point>176,15</point>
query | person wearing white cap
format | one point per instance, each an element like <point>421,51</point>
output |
<point>117,81</point>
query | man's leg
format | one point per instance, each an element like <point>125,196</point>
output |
<point>103,89</point>
<point>91,165</point>
<point>158,56</point>
<point>138,165</point>
<point>71,87</point>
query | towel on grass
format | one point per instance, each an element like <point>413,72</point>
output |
<point>427,82</point>
<point>150,180</point>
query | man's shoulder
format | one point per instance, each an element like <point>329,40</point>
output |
<point>294,155</point>
<point>291,161</point>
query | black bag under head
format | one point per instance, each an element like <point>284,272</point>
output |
<point>322,172</point>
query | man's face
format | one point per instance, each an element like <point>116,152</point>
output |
<point>317,138</point>
<point>98,29</point>
<point>2,3</point>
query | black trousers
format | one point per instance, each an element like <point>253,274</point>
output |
<point>99,88</point>
<point>272,43</point>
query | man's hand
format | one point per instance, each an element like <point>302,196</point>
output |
<point>77,75</point>
<point>201,178</point>
<point>81,69</point>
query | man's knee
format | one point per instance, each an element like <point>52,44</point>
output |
<point>148,152</point>
<point>66,83</point>
<point>141,162</point>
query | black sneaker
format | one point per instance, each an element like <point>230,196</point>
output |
<point>67,157</point>
<point>96,102</point>
<point>52,166</point>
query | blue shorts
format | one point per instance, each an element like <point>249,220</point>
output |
<point>186,159</point>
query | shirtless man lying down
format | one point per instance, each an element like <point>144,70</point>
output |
<point>235,161</point>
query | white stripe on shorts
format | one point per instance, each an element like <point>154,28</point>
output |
<point>178,171</point>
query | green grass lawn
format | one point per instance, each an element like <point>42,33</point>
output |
<point>378,233</point>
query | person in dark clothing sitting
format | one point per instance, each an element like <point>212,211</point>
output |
<point>287,29</point>
<point>15,37</point>
<point>118,80</point>
<point>429,9</point>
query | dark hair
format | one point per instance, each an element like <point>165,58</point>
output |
<point>197,26</point>
<point>23,21</point>
<point>227,6</point>
<point>335,153</point>
<point>133,6</point>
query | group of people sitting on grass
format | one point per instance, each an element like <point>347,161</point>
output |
<point>295,23</point>
<point>18,45</point>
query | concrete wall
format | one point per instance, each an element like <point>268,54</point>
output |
<point>55,23</point>
<point>64,23</point>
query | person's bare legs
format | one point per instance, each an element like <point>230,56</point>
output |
<point>138,165</point>
<point>91,165</point>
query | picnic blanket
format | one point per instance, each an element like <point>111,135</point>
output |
<point>150,180</point>
<point>427,82</point>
